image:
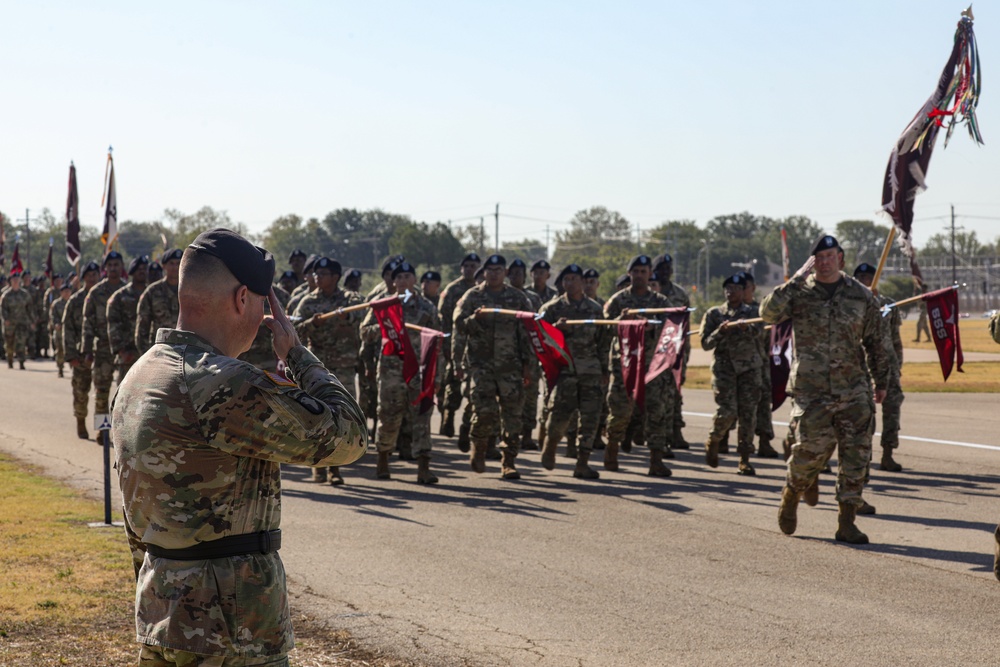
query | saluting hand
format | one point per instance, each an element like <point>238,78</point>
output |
<point>285,337</point>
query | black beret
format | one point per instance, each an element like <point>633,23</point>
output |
<point>296,253</point>
<point>518,262</point>
<point>91,266</point>
<point>430,275</point>
<point>825,242</point>
<point>249,264</point>
<point>56,275</point>
<point>114,254</point>
<point>864,268</point>
<point>288,275</point>
<point>479,273</point>
<point>591,273</point>
<point>665,258</point>
<point>141,260</point>
<point>14,273</point>
<point>71,275</point>
<point>403,267</point>
<point>654,277</point>
<point>747,277</point>
<point>173,253</point>
<point>623,281</point>
<point>735,279</point>
<point>353,273</point>
<point>541,264</point>
<point>65,285</point>
<point>472,257</point>
<point>391,263</point>
<point>639,260</point>
<point>310,263</point>
<point>496,260</point>
<point>332,265</point>
<point>155,266</point>
<point>571,269</point>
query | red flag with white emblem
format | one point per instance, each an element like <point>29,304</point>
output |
<point>430,344</point>
<point>632,341</point>
<point>942,313</point>
<point>395,341</point>
<point>676,322</point>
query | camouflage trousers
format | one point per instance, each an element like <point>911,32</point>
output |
<point>41,336</point>
<point>104,375</point>
<point>395,404</point>
<point>575,397</point>
<point>658,413</point>
<point>82,378</point>
<point>496,399</point>
<point>451,389</point>
<point>530,415</point>
<point>737,398</point>
<point>58,351</point>
<point>765,426</point>
<point>823,425</point>
<point>161,656</point>
<point>890,413</point>
<point>15,340</point>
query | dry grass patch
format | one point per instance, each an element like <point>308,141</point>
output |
<point>974,332</point>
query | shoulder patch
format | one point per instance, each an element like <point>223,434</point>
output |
<point>279,380</point>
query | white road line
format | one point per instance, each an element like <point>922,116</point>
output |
<point>954,443</point>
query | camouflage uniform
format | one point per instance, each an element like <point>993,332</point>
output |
<point>396,398</point>
<point>677,297</point>
<point>579,392</point>
<point>198,438</point>
<point>72,332</point>
<point>661,393</point>
<point>158,309</point>
<point>829,384</point>
<point>335,341</point>
<point>451,398</point>
<point>38,339</point>
<point>529,416</point>
<point>736,366</point>
<point>122,311</point>
<point>893,392</point>
<point>56,311</point>
<point>17,310</point>
<point>95,341</point>
<point>544,295</point>
<point>994,326</point>
<point>497,351</point>
<point>764,427</point>
<point>367,360</point>
<point>261,352</point>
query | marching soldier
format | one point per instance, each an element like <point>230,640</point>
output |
<point>122,311</point>
<point>451,399</point>
<point>158,306</point>
<point>72,332</point>
<point>297,262</point>
<point>764,426</point>
<point>17,311</point>
<point>516,275</point>
<point>676,297</point>
<point>430,285</point>
<point>307,285</point>
<point>56,311</point>
<point>154,272</point>
<point>96,347</point>
<point>540,272</point>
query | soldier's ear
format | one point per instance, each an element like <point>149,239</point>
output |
<point>241,299</point>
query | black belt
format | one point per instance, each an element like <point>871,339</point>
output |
<point>263,542</point>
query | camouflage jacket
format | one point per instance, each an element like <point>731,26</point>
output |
<point>37,298</point>
<point>829,336</point>
<point>497,343</point>
<point>158,309</point>
<point>122,310</point>
<point>617,304</point>
<point>588,344</point>
<point>737,349</point>
<point>545,295</point>
<point>56,310</point>
<point>72,331</point>
<point>95,318</point>
<point>416,310</point>
<point>891,324</point>
<point>198,439</point>
<point>335,340</point>
<point>994,326</point>
<point>297,296</point>
<point>535,301</point>
<point>676,296</point>
<point>450,296</point>
<point>17,307</point>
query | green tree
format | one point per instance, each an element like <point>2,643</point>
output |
<point>529,250</point>
<point>599,239</point>
<point>863,241</point>
<point>362,237</point>
<point>142,238</point>
<point>426,246</point>
<point>966,245</point>
<point>186,226</point>
<point>290,232</point>
<point>474,238</point>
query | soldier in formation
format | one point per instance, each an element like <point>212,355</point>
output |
<point>451,399</point>
<point>72,331</point>
<point>121,314</point>
<point>56,311</point>
<point>17,314</point>
<point>96,348</point>
<point>158,305</point>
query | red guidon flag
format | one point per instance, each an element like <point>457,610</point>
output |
<point>73,248</point>
<point>632,341</point>
<point>3,242</point>
<point>780,361</point>
<point>395,342</point>
<point>429,345</point>
<point>942,311</point>
<point>668,349</point>
<point>549,346</point>
<point>48,262</point>
<point>15,260</point>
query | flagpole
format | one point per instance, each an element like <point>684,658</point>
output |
<point>885,255</point>
<point>417,327</point>
<point>921,297</point>
<point>349,309</point>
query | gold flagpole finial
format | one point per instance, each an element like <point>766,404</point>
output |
<point>968,14</point>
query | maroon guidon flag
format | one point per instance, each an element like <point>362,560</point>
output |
<point>3,243</point>
<point>395,341</point>
<point>632,341</point>
<point>430,344</point>
<point>549,346</point>
<point>780,361</point>
<point>954,98</point>
<point>942,313</point>
<point>15,260</point>
<point>676,323</point>
<point>73,247</point>
<point>48,262</point>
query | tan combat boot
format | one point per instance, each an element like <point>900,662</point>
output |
<point>583,469</point>
<point>811,494</point>
<point>549,453</point>
<point>318,476</point>
<point>656,467</point>
<point>477,459</point>
<point>744,467</point>
<point>382,466</point>
<point>787,513</point>
<point>610,456</point>
<point>888,463</point>
<point>507,469</point>
<point>712,452</point>
<point>424,474</point>
<point>846,530</point>
<point>81,428</point>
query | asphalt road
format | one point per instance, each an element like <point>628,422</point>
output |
<point>628,570</point>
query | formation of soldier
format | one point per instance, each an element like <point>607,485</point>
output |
<point>488,381</point>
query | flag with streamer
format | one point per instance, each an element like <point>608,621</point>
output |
<point>676,323</point>
<point>395,341</point>
<point>632,342</point>
<point>430,344</point>
<point>943,314</point>
<point>955,99</point>
<point>110,202</point>
<point>48,261</point>
<point>780,361</point>
<point>3,243</point>
<point>549,346</point>
<point>73,248</point>
<point>15,260</point>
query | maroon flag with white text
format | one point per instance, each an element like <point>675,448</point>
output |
<point>780,361</point>
<point>632,341</point>
<point>942,315</point>
<point>15,260</point>
<point>430,344</point>
<point>549,346</point>
<point>395,341</point>
<point>676,322</point>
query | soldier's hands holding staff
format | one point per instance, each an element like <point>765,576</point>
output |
<point>285,337</point>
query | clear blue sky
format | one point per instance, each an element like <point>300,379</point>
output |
<point>442,109</point>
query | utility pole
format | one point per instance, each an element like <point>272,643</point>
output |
<point>496,227</point>
<point>547,255</point>
<point>27,228</point>
<point>638,238</point>
<point>482,236</point>
<point>954,273</point>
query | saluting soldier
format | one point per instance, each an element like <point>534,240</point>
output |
<point>158,305</point>
<point>736,365</point>
<point>578,394</point>
<point>451,397</point>
<point>498,356</point>
<point>56,311</point>
<point>72,332</point>
<point>17,311</point>
<point>122,311</point>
